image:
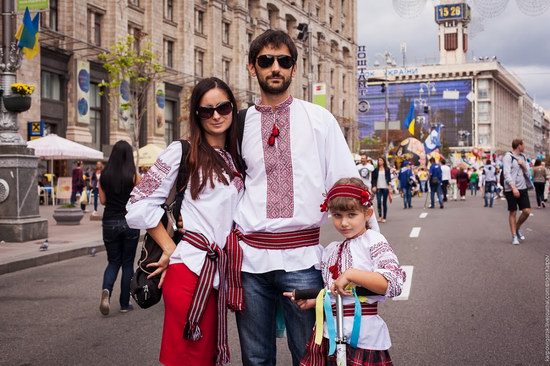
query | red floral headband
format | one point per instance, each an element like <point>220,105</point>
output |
<point>347,190</point>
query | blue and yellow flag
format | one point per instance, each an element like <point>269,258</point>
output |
<point>27,35</point>
<point>410,120</point>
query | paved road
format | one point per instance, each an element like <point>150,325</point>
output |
<point>475,299</point>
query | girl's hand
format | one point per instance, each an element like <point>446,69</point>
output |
<point>339,286</point>
<point>302,304</point>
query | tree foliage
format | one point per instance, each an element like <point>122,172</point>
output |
<point>137,67</point>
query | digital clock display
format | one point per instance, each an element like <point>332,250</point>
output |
<point>451,12</point>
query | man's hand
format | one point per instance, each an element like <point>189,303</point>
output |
<point>302,304</point>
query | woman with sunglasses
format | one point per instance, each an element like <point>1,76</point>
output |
<point>196,265</point>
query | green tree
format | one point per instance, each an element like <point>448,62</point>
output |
<point>135,70</point>
<point>372,146</point>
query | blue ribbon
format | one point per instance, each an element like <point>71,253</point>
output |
<point>354,339</point>
<point>331,328</point>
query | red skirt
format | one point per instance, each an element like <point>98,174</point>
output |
<point>177,290</point>
<point>317,355</point>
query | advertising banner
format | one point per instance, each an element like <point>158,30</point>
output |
<point>33,5</point>
<point>126,115</point>
<point>83,91</point>
<point>160,101</point>
<point>320,94</point>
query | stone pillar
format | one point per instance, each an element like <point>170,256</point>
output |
<point>19,217</point>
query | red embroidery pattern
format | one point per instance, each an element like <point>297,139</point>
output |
<point>151,181</point>
<point>386,261</point>
<point>237,180</point>
<point>278,160</point>
<point>345,262</point>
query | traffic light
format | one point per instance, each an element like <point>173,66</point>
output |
<point>302,35</point>
<point>382,88</point>
<point>426,109</point>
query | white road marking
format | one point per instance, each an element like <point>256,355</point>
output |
<point>407,285</point>
<point>415,232</point>
<point>423,215</point>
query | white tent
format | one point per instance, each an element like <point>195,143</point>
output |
<point>53,147</point>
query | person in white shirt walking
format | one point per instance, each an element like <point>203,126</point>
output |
<point>516,185</point>
<point>365,169</point>
<point>445,177</point>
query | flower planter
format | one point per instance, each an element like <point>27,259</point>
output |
<point>17,103</point>
<point>68,216</point>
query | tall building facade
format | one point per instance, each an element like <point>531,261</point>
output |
<point>192,39</point>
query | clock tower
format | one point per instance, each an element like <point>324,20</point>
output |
<point>453,17</point>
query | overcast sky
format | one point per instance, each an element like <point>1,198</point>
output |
<point>521,42</point>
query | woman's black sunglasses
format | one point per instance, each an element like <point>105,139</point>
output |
<point>223,109</point>
<point>284,61</point>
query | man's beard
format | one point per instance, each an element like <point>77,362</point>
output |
<point>274,90</point>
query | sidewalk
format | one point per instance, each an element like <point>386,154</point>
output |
<point>65,242</point>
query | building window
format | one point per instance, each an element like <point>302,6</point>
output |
<point>304,66</point>
<point>168,53</point>
<point>199,63</point>
<point>226,70</point>
<point>225,32</point>
<point>53,15</point>
<point>332,104</point>
<point>136,33</point>
<point>483,89</point>
<point>319,70</point>
<point>304,93</point>
<point>484,112</point>
<point>332,77</point>
<point>343,107</point>
<point>169,9</point>
<point>344,82</point>
<point>330,21</point>
<point>94,27</point>
<point>199,21</point>
<point>169,109</point>
<point>51,85</point>
<point>95,115</point>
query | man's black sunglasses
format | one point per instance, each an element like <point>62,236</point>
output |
<point>223,109</point>
<point>284,61</point>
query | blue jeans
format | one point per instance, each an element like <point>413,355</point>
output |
<point>257,322</point>
<point>433,189</point>
<point>121,243</point>
<point>407,196</point>
<point>382,202</point>
<point>489,195</point>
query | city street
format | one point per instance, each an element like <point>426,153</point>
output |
<point>475,299</point>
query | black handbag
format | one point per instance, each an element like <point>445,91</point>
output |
<point>145,291</point>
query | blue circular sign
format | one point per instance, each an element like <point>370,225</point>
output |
<point>125,90</point>
<point>160,101</point>
<point>82,106</point>
<point>84,80</point>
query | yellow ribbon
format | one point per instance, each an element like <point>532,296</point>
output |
<point>319,317</point>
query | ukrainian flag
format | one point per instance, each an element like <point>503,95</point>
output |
<point>27,35</point>
<point>410,120</point>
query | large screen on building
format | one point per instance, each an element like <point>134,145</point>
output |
<point>444,102</point>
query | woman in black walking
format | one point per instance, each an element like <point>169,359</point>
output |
<point>115,184</point>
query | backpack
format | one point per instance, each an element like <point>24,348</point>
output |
<point>501,179</point>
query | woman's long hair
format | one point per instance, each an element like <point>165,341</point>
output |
<point>204,161</point>
<point>118,175</point>
<point>385,163</point>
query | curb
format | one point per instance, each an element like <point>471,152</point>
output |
<point>21,264</point>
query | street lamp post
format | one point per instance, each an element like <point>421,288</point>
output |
<point>425,104</point>
<point>19,215</point>
<point>388,61</point>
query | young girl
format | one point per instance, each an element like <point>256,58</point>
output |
<point>364,259</point>
<point>195,323</point>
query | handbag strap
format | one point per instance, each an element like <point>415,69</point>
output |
<point>177,192</point>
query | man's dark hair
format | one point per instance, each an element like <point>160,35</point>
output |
<point>516,143</point>
<point>276,38</point>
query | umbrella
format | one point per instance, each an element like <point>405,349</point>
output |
<point>148,154</point>
<point>53,147</point>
